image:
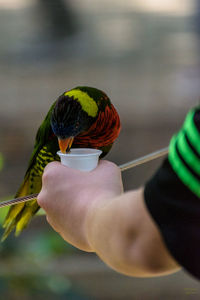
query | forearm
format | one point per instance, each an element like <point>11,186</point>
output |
<point>92,213</point>
<point>123,234</point>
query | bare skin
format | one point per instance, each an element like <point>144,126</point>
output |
<point>91,211</point>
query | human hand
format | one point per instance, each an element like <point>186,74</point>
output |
<point>69,195</point>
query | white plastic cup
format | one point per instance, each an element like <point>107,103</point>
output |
<point>83,159</point>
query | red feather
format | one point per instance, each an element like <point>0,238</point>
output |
<point>103,132</point>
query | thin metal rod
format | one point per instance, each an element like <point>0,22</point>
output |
<point>129,165</point>
<point>144,159</point>
<point>18,200</point>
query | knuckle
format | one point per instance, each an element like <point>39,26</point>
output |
<point>42,201</point>
<point>45,176</point>
<point>109,169</point>
<point>112,167</point>
<point>49,172</point>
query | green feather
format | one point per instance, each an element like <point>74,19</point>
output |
<point>44,151</point>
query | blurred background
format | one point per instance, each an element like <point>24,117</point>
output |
<point>145,55</point>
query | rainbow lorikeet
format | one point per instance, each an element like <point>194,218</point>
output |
<point>83,117</point>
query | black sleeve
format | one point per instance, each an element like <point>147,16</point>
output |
<point>176,210</point>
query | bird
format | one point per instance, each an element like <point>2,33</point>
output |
<point>82,117</point>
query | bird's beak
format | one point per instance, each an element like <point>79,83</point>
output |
<point>65,144</point>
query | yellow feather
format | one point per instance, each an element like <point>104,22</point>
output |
<point>12,214</point>
<point>15,210</point>
<point>87,103</point>
<point>20,214</point>
<point>24,219</point>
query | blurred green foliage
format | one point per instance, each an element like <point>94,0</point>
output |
<point>31,287</point>
<point>22,272</point>
<point>3,211</point>
<point>28,287</point>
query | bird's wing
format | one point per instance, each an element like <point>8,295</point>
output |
<point>43,134</point>
<point>19,215</point>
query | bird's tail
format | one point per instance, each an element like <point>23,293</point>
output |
<point>18,219</point>
<point>19,215</point>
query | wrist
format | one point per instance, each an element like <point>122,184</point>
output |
<point>93,216</point>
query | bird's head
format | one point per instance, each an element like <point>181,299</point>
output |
<point>73,113</point>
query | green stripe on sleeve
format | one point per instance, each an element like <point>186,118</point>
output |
<point>181,170</point>
<point>186,152</point>
<point>191,130</point>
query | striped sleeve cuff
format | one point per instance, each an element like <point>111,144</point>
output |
<point>184,152</point>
